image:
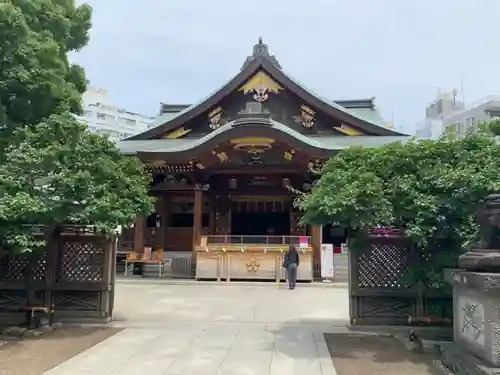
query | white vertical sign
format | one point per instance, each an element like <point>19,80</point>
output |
<point>327,268</point>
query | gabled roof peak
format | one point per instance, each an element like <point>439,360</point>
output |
<point>261,51</point>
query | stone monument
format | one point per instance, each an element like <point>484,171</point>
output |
<point>476,300</point>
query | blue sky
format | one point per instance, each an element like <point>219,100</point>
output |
<point>401,52</point>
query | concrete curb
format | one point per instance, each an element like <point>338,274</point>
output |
<point>146,281</point>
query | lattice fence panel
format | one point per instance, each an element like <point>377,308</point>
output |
<point>39,267</point>
<point>383,265</point>
<point>13,268</point>
<point>81,262</point>
<point>386,307</point>
<point>77,300</point>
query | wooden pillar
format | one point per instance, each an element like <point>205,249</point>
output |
<point>139,229</point>
<point>316,244</point>
<point>165,220</point>
<point>198,210</point>
<point>212,214</point>
<point>51,268</point>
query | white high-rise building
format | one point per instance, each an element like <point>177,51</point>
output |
<point>447,114</point>
<point>104,118</point>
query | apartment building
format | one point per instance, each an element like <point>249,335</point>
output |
<point>447,114</point>
<point>104,118</point>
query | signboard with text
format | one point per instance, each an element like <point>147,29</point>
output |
<point>327,267</point>
<point>304,242</point>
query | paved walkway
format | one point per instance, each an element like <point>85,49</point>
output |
<point>217,329</point>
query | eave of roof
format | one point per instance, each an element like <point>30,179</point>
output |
<point>357,103</point>
<point>169,121</point>
<point>322,144</point>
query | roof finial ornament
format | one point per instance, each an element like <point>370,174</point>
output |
<point>261,51</point>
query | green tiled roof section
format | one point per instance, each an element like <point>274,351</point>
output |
<point>297,135</point>
<point>325,142</point>
<point>168,145</point>
<point>368,141</point>
<point>369,115</point>
<point>166,117</point>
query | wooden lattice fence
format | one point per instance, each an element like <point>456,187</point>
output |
<point>377,290</point>
<point>74,274</point>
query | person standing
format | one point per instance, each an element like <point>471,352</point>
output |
<point>291,262</point>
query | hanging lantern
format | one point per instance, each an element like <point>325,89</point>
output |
<point>285,182</point>
<point>233,183</point>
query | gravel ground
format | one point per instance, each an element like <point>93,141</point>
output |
<point>35,356</point>
<point>375,355</point>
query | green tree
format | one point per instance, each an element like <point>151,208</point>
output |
<point>492,127</point>
<point>52,170</point>
<point>59,173</point>
<point>429,188</point>
<point>36,79</point>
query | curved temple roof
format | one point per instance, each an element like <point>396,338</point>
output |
<point>261,59</point>
<point>234,129</point>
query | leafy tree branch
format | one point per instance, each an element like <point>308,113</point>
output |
<point>428,188</point>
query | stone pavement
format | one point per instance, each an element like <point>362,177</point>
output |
<point>217,329</point>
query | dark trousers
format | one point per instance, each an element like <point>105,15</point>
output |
<point>292,275</point>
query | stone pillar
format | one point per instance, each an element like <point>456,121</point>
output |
<point>476,323</point>
<point>139,229</point>
<point>198,210</point>
<point>476,302</point>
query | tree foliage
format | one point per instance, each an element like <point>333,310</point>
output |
<point>36,79</point>
<point>58,172</point>
<point>429,188</point>
<point>52,170</point>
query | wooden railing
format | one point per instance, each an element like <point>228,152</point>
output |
<point>257,240</point>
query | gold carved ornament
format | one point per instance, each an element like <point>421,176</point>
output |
<point>176,133</point>
<point>307,117</point>
<point>316,165</point>
<point>222,156</point>
<point>289,154</point>
<point>155,164</point>
<point>214,118</point>
<point>260,85</point>
<point>253,266</point>
<point>193,164</point>
<point>347,130</point>
<point>252,145</point>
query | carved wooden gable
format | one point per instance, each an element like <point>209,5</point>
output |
<point>261,85</point>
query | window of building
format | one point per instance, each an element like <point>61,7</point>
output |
<point>470,124</point>
<point>103,116</point>
<point>462,127</point>
<point>493,114</point>
<point>128,121</point>
<point>110,133</point>
<point>452,128</point>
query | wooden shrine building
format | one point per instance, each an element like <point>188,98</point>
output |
<point>222,169</point>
